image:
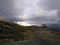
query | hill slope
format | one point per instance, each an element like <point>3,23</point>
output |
<point>13,32</point>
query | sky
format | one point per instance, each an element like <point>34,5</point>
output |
<point>31,12</point>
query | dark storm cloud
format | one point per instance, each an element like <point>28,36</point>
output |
<point>51,5</point>
<point>52,16</point>
<point>8,10</point>
<point>31,11</point>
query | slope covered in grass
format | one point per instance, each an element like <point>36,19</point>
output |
<point>14,32</point>
<point>10,32</point>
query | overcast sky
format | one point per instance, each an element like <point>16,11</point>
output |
<point>31,11</point>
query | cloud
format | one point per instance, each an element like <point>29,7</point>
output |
<point>49,4</point>
<point>8,10</point>
<point>31,11</point>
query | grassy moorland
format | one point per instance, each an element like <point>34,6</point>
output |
<point>11,32</point>
<point>49,34</point>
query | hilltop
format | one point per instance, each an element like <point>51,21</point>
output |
<point>2,19</point>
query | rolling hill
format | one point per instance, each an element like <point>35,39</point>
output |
<point>10,32</point>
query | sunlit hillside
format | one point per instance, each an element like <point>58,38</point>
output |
<point>1,18</point>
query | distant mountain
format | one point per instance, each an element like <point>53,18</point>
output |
<point>55,26</point>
